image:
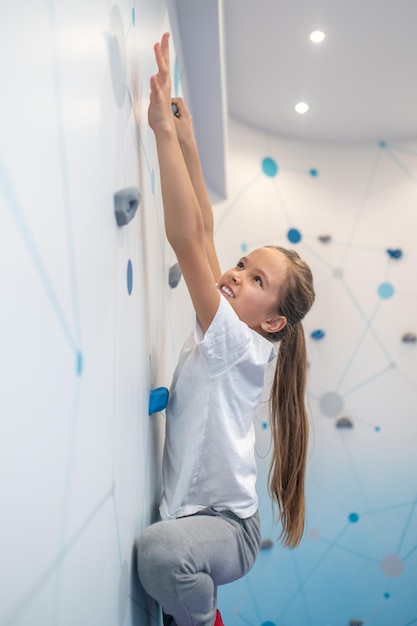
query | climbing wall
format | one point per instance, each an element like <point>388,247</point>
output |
<point>350,211</point>
<point>90,325</point>
<point>87,314</point>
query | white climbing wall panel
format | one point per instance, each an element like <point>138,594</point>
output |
<point>89,323</point>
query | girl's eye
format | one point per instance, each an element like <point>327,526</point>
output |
<point>240,265</point>
<point>258,280</point>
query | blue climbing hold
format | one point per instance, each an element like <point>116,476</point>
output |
<point>395,253</point>
<point>158,400</point>
<point>317,334</point>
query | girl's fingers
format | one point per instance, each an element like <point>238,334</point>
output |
<point>165,47</point>
<point>162,53</point>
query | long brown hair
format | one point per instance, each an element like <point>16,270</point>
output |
<point>288,415</point>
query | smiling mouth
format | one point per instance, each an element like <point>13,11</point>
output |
<point>227,291</point>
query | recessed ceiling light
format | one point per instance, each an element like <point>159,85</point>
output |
<point>317,36</point>
<point>301,107</point>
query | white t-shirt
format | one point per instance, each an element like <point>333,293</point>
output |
<point>209,456</point>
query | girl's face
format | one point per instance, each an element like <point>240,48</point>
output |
<point>253,286</point>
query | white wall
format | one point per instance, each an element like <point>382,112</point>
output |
<point>358,559</point>
<point>80,457</point>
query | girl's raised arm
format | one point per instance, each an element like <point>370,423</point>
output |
<point>184,223</point>
<point>188,143</point>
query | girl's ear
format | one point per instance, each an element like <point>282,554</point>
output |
<point>274,325</point>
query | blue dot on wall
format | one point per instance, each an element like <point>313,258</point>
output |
<point>133,16</point>
<point>353,518</point>
<point>269,167</point>
<point>79,363</point>
<point>314,172</point>
<point>294,235</point>
<point>129,277</point>
<point>385,290</point>
<point>244,247</point>
<point>387,595</point>
<point>264,425</point>
<point>382,144</point>
<point>317,334</point>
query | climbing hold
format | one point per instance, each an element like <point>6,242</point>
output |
<point>344,422</point>
<point>175,109</point>
<point>267,544</point>
<point>395,253</point>
<point>409,338</point>
<point>356,622</point>
<point>317,334</point>
<point>158,400</point>
<point>126,201</point>
<point>174,275</point>
<point>324,238</point>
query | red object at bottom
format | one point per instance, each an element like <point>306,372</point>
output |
<point>218,620</point>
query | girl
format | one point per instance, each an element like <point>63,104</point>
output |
<point>209,534</point>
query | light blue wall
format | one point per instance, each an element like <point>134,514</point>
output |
<point>358,559</point>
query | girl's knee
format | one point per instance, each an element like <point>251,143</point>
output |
<point>156,554</point>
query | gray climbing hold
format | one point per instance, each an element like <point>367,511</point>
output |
<point>126,201</point>
<point>409,338</point>
<point>267,544</point>
<point>174,275</point>
<point>356,622</point>
<point>324,238</point>
<point>344,422</point>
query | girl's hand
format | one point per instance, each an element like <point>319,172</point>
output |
<point>160,112</point>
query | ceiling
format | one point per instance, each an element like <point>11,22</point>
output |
<point>360,82</point>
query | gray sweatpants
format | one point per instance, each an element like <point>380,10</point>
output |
<point>181,562</point>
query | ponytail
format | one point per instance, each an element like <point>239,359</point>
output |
<point>288,415</point>
<point>290,427</point>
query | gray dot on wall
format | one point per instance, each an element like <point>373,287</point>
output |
<point>331,404</point>
<point>338,272</point>
<point>392,566</point>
